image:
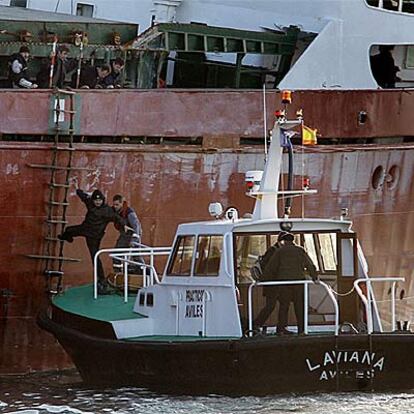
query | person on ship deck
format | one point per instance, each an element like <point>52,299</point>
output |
<point>98,216</point>
<point>288,262</point>
<point>18,70</point>
<point>91,76</point>
<point>62,65</point>
<point>113,79</point>
<point>132,236</point>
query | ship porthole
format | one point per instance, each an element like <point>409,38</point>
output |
<point>393,177</point>
<point>378,177</point>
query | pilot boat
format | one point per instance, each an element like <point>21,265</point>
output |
<point>190,328</point>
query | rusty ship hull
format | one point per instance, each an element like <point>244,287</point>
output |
<point>171,153</point>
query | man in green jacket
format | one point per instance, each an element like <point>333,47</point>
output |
<point>290,262</point>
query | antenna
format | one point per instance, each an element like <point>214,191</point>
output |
<point>265,119</point>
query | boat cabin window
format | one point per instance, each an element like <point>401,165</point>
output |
<point>249,248</point>
<point>309,246</point>
<point>405,6</point>
<point>327,247</point>
<point>180,264</point>
<point>209,249</point>
<point>321,247</point>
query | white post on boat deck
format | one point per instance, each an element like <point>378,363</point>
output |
<point>305,307</point>
<point>250,306</point>
<point>177,315</point>
<point>206,298</point>
<point>125,279</point>
<point>95,276</point>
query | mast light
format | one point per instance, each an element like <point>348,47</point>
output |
<point>286,97</point>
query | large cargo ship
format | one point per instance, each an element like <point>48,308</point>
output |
<point>166,148</point>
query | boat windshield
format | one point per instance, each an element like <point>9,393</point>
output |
<point>208,255</point>
<point>320,246</point>
<point>207,249</point>
<point>182,257</point>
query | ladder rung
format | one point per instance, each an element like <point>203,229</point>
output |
<point>57,203</point>
<point>56,167</point>
<point>57,185</point>
<point>64,92</point>
<point>54,272</point>
<point>65,111</point>
<point>63,258</point>
<point>56,221</point>
<point>63,148</point>
<point>53,239</point>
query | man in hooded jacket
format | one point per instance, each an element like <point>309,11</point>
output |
<point>98,216</point>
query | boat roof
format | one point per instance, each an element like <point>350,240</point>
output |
<point>265,225</point>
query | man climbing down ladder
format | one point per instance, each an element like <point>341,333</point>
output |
<point>98,215</point>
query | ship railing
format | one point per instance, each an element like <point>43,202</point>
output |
<point>130,256</point>
<point>368,298</point>
<point>305,284</point>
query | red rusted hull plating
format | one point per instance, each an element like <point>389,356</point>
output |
<point>212,113</point>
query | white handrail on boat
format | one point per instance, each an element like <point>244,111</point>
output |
<point>227,247</point>
<point>206,298</point>
<point>305,284</point>
<point>367,299</point>
<point>122,254</point>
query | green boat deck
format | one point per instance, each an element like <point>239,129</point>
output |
<point>79,300</point>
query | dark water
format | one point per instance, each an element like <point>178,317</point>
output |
<point>63,393</point>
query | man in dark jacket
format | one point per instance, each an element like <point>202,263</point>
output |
<point>93,227</point>
<point>62,66</point>
<point>269,292</point>
<point>91,76</point>
<point>289,263</point>
<point>113,80</point>
<point>18,76</point>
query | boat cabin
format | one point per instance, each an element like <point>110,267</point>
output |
<point>206,283</point>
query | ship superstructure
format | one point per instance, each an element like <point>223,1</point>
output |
<point>337,37</point>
